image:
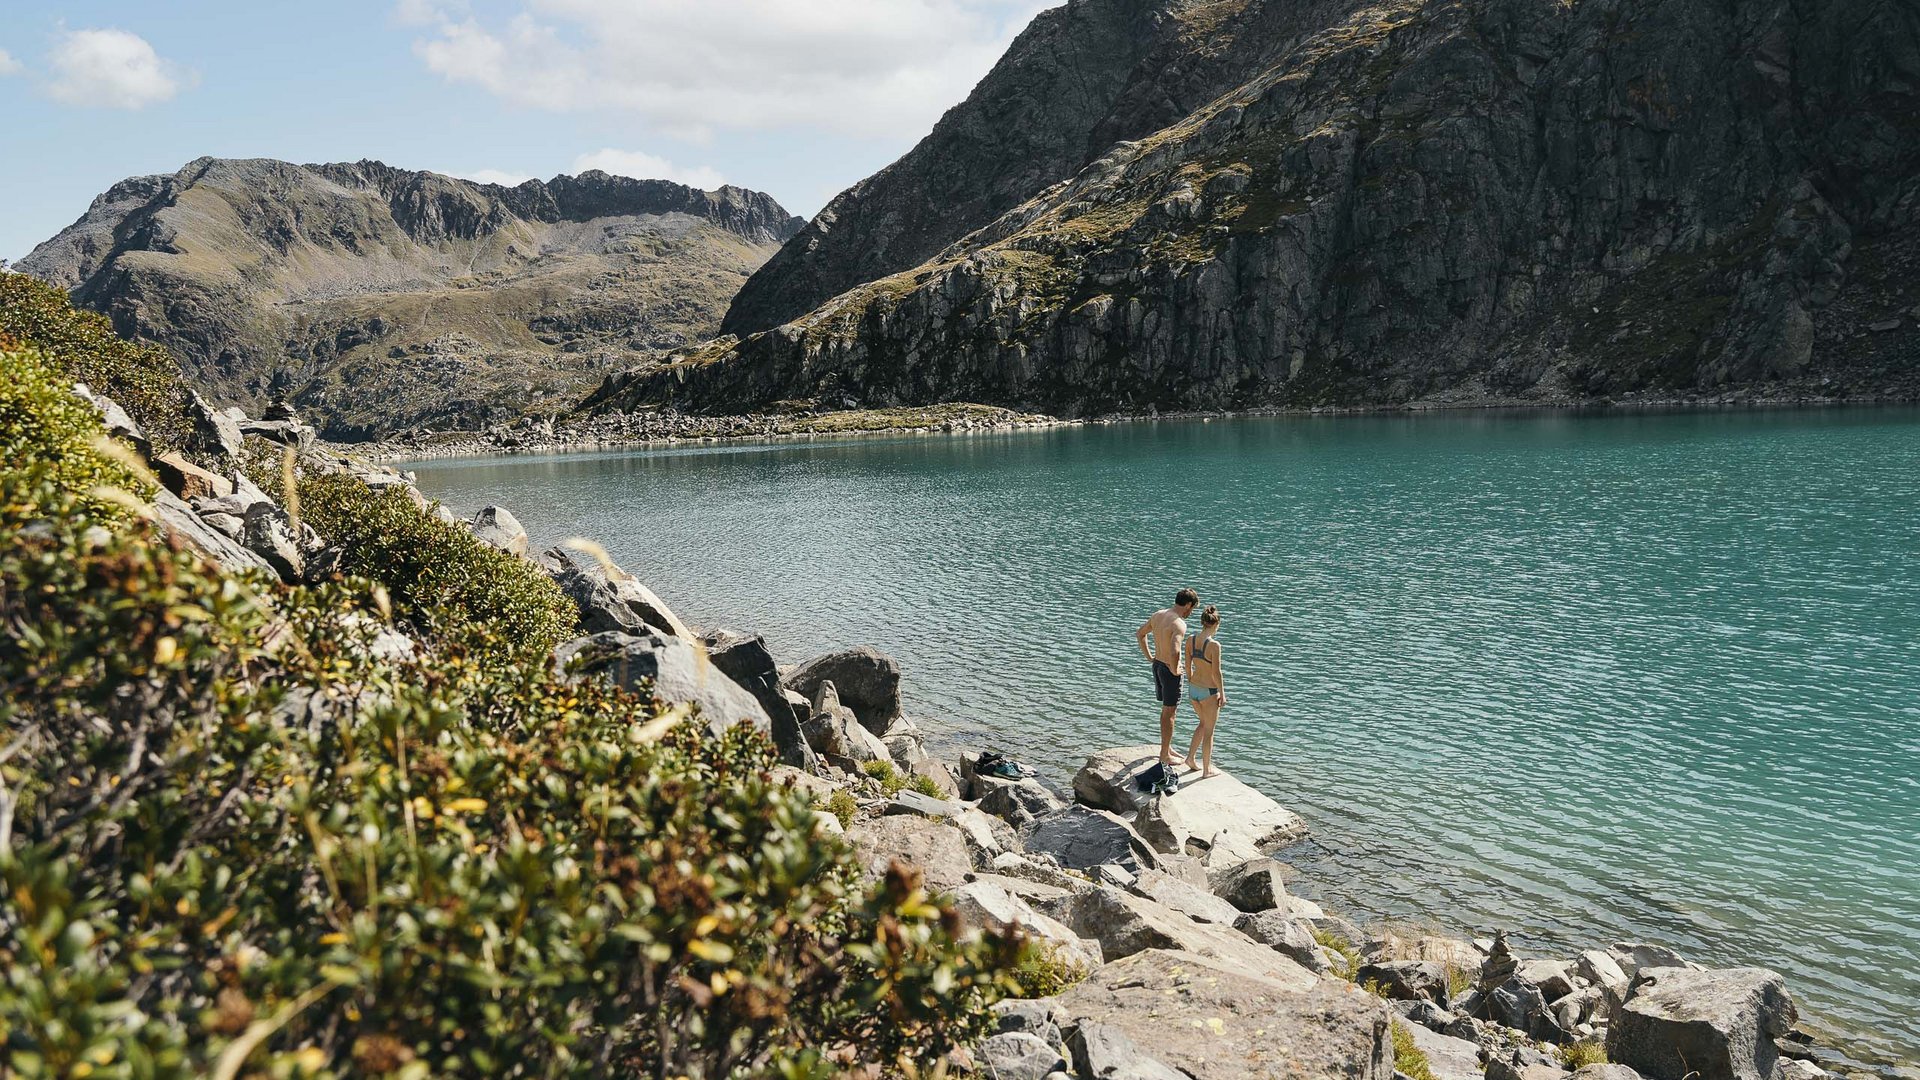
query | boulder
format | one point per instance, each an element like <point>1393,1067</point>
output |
<point>837,735</point>
<point>941,776</point>
<point>1160,823</point>
<point>1577,1008</point>
<point>1045,898</point>
<point>673,668</point>
<point>1515,1067</point>
<point>987,836</point>
<point>912,802</point>
<point>268,532</point>
<point>1186,868</point>
<point>115,420</point>
<point>1551,976</point>
<point>1291,937</point>
<point>1105,1052</point>
<point>1603,971</point>
<point>214,435</point>
<point>1610,1071</point>
<point>1407,980</point>
<point>609,599</point>
<point>1685,1024</point>
<point>905,745</point>
<point>1195,903</point>
<point>1211,1021</point>
<point>1254,885</point>
<point>1036,1018</point>
<point>988,906</point>
<point>187,480</point>
<point>1022,865</point>
<point>868,681</point>
<point>286,432</point>
<point>1517,1004</point>
<point>1449,1058</point>
<point>1221,806</point>
<point>1017,801</point>
<point>1017,1055</point>
<point>1125,924</point>
<point>934,847</point>
<point>1084,838</point>
<point>496,526</point>
<point>1631,956</point>
<point>745,659</point>
<point>177,519</point>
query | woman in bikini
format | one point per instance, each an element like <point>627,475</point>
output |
<point>1205,689</point>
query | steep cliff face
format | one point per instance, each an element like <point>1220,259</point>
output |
<point>378,298</point>
<point>1476,200</point>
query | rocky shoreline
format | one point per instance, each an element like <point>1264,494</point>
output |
<point>1175,945</point>
<point>666,428</point>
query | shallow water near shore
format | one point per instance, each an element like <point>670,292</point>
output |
<point>1588,677</point>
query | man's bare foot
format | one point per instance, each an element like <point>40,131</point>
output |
<point>1176,759</point>
<point>1210,774</point>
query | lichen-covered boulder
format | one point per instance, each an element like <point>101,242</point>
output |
<point>1685,1024</point>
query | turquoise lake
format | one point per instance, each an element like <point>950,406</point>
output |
<point>1588,677</point>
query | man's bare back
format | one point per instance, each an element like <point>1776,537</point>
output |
<point>1168,630</point>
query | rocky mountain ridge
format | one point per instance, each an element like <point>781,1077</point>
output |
<point>1469,202</point>
<point>377,298</point>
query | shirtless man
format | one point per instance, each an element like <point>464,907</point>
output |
<point>1168,626</point>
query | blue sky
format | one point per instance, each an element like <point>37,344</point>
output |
<point>799,99</point>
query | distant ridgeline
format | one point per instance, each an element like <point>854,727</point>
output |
<point>1177,203</point>
<point>377,298</point>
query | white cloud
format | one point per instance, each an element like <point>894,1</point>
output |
<point>113,69</point>
<point>861,67</point>
<point>8,65</point>
<point>493,176</point>
<point>642,166</point>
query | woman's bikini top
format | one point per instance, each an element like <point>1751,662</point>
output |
<point>1201,655</point>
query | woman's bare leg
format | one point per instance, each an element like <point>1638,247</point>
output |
<point>1200,720</point>
<point>1210,716</point>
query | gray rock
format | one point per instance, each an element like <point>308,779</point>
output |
<point>1407,980</point>
<point>1083,838</point>
<point>1551,976</point>
<point>745,659</point>
<point>1185,867</point>
<point>1034,1017</point>
<point>1160,823</point>
<point>1218,813</point>
<point>675,672</point>
<point>1632,956</point>
<point>268,533</point>
<point>1125,924</point>
<point>1684,1024</point>
<point>986,905</point>
<point>496,526</point>
<point>115,420</point>
<point>1610,1071</point>
<point>1104,1052</point>
<point>285,432</point>
<point>1518,1004</point>
<point>1016,1055</point>
<point>1017,801</point>
<point>177,519</point>
<point>1286,934</point>
<point>867,679</point>
<point>213,435</point>
<point>1019,864</point>
<point>1254,885</point>
<point>935,848</point>
<point>1513,1068</point>
<point>837,735</point>
<point>609,601</point>
<point>912,802</point>
<point>1422,1012</point>
<point>941,776</point>
<point>1196,904</point>
<point>1450,1058</point>
<point>1211,1021</point>
<point>1603,971</point>
<point>987,836</point>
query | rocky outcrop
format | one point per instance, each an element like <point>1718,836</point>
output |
<point>379,299</point>
<point>867,679</point>
<point>1214,1020</point>
<point>670,666</point>
<point>1681,1023</point>
<point>1345,203</point>
<point>1218,815</point>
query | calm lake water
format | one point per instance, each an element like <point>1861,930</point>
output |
<point>1586,677</point>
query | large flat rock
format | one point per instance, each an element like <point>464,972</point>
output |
<point>1125,924</point>
<point>1209,811</point>
<point>1685,1024</point>
<point>1214,1021</point>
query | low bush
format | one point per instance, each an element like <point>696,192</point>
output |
<point>843,806</point>
<point>888,776</point>
<point>1042,972</point>
<point>232,840</point>
<point>1577,1055</point>
<point>51,435</point>
<point>452,588</point>
<point>925,786</point>
<point>1346,958</point>
<point>1408,1059</point>
<point>82,347</point>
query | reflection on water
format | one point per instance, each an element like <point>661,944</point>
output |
<point>1586,677</point>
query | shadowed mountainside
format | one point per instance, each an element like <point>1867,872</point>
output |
<point>1254,202</point>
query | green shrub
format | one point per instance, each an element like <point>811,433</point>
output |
<point>889,777</point>
<point>52,436</point>
<point>233,841</point>
<point>82,347</point>
<point>1042,972</point>
<point>1578,1055</point>
<point>925,786</point>
<point>453,588</point>
<point>1408,1058</point>
<point>1346,958</point>
<point>842,806</point>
